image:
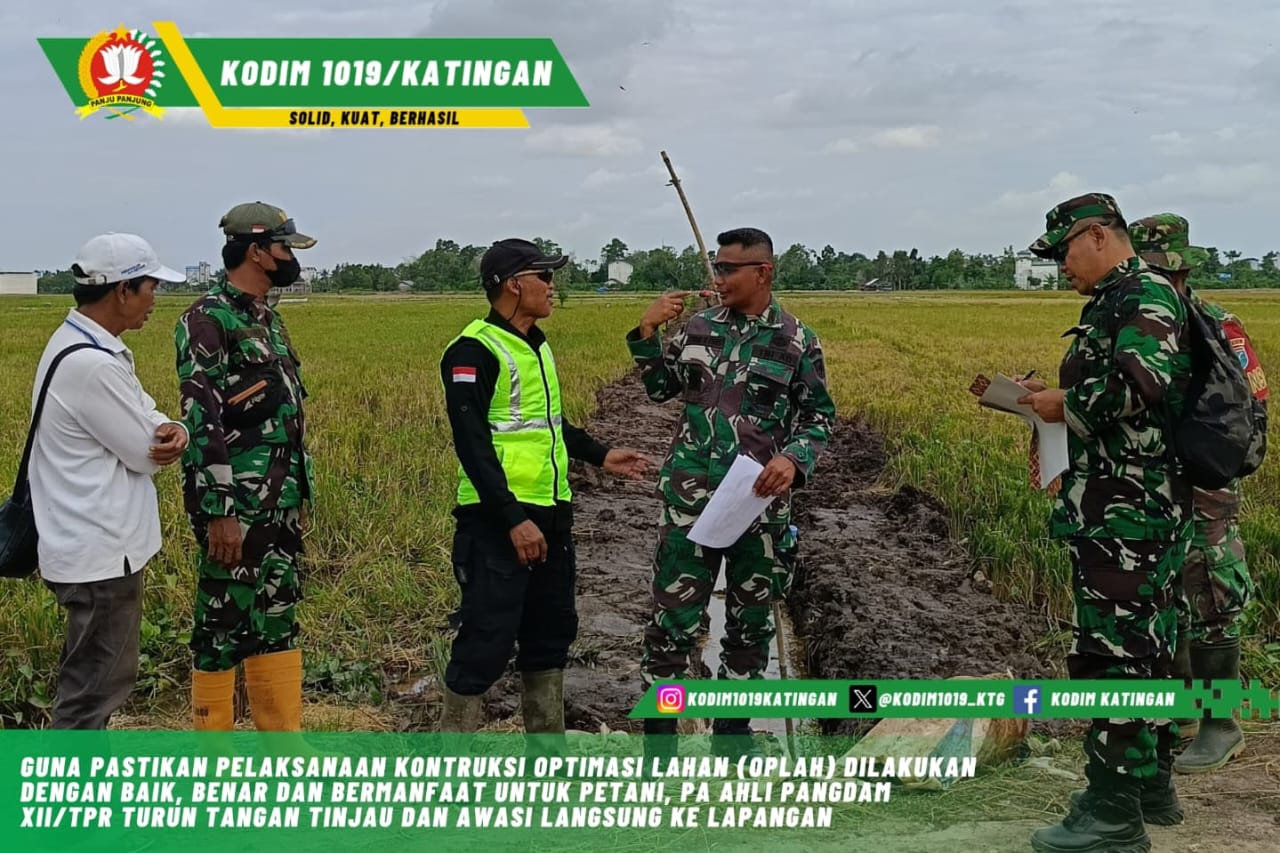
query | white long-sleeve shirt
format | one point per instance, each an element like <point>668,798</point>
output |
<point>94,503</point>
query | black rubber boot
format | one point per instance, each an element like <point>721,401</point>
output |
<point>1219,740</point>
<point>659,744</point>
<point>1107,818</point>
<point>731,737</point>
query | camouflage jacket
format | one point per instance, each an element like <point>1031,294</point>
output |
<point>241,395</point>
<point>1126,368</point>
<point>1217,505</point>
<point>751,385</point>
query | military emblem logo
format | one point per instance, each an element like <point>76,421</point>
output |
<point>121,72</point>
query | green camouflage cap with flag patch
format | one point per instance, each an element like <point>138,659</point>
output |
<point>1059,221</point>
<point>259,219</point>
<point>1164,241</point>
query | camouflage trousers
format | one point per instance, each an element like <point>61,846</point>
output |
<point>249,609</point>
<point>1125,625</point>
<point>1214,585</point>
<point>684,575</point>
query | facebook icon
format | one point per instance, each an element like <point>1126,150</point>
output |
<point>1026,699</point>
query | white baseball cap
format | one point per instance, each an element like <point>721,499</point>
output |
<point>110,258</point>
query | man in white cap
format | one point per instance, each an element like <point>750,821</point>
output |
<point>98,441</point>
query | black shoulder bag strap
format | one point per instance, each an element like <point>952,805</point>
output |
<point>20,484</point>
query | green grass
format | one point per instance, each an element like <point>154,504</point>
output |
<point>377,583</point>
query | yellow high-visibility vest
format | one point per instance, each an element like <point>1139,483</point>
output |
<point>525,419</point>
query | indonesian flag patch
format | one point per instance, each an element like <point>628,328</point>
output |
<point>1243,348</point>
<point>464,374</point>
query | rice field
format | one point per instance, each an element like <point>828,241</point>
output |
<point>377,584</point>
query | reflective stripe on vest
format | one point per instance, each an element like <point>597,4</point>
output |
<point>525,418</point>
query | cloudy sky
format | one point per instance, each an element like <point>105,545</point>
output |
<point>865,124</point>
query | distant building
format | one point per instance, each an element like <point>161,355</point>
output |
<point>303,284</point>
<point>199,275</point>
<point>1254,264</point>
<point>619,273</point>
<point>17,284</point>
<point>1027,266</point>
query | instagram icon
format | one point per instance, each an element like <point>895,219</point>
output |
<point>671,699</point>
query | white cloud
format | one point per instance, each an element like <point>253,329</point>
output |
<point>1171,140</point>
<point>583,140</point>
<point>602,178</point>
<point>1212,183</point>
<point>1061,186</point>
<point>915,136</point>
<point>843,145</point>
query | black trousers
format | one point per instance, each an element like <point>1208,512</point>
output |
<point>99,663</point>
<point>505,604</point>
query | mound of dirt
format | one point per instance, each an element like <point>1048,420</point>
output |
<point>883,591</point>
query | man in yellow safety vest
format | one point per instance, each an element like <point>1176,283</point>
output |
<point>513,553</point>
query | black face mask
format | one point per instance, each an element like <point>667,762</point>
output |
<point>285,273</point>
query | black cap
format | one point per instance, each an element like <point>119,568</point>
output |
<point>507,257</point>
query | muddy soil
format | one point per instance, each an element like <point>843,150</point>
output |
<point>883,592</point>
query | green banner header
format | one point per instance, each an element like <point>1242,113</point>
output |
<point>359,72</point>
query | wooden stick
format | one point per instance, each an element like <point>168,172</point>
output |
<point>782,673</point>
<point>697,235</point>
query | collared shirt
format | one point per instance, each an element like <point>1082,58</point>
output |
<point>751,385</point>
<point>95,505</point>
<point>1126,368</point>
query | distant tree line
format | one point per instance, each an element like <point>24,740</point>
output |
<point>449,266</point>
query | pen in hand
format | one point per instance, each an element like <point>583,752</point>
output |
<point>1030,373</point>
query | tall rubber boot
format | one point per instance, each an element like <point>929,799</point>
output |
<point>542,701</point>
<point>731,736</point>
<point>1219,740</point>
<point>274,683</point>
<point>1160,806</point>
<point>660,744</point>
<point>1106,819</point>
<point>542,705</point>
<point>1188,727</point>
<point>461,713</point>
<point>212,695</point>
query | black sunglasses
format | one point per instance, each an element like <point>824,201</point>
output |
<point>1060,251</point>
<point>546,275</point>
<point>728,268</point>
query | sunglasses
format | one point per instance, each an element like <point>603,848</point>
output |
<point>1060,251</point>
<point>724,269</point>
<point>284,229</point>
<point>546,275</point>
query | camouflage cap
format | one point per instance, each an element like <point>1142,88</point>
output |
<point>1059,221</point>
<point>1164,241</point>
<point>259,219</point>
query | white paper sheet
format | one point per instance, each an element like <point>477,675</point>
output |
<point>733,507</point>
<point>1003,395</point>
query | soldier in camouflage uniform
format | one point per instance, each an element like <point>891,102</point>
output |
<point>1215,582</point>
<point>752,381</point>
<point>247,475</point>
<point>1122,509</point>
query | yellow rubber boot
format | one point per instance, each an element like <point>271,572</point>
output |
<point>212,695</point>
<point>274,682</point>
